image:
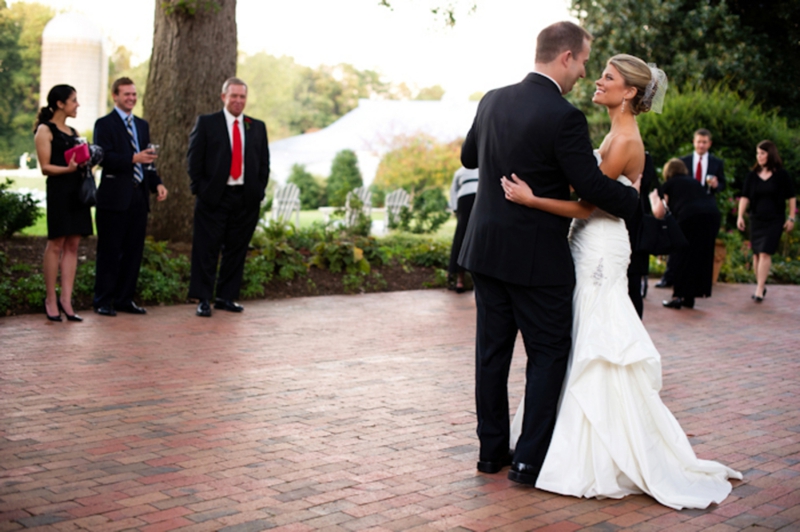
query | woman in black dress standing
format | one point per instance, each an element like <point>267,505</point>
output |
<point>67,218</point>
<point>699,219</point>
<point>767,189</point>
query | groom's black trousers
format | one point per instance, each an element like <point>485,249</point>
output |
<point>544,316</point>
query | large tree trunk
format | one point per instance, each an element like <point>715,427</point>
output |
<point>192,56</point>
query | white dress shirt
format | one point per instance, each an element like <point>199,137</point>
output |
<point>229,118</point>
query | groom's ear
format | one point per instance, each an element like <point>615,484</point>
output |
<point>564,57</point>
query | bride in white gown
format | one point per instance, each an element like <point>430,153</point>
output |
<point>613,435</point>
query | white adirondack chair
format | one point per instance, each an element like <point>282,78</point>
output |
<point>395,201</point>
<point>285,202</point>
<point>351,213</point>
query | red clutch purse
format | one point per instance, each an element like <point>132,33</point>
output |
<point>81,153</point>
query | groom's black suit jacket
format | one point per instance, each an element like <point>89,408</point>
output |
<point>531,130</point>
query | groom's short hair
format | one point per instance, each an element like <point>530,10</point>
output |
<point>560,37</point>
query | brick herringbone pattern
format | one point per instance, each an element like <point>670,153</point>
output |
<point>356,413</point>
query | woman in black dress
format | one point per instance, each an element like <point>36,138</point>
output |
<point>67,218</point>
<point>699,219</point>
<point>767,190</point>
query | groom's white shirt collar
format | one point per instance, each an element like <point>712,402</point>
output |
<point>551,79</point>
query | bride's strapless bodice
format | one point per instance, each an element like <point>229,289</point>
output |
<point>600,245</point>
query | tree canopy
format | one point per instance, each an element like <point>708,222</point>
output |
<point>21,27</point>
<point>417,163</point>
<point>293,98</point>
<point>750,46</point>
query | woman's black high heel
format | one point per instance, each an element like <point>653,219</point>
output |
<point>73,317</point>
<point>760,299</point>
<point>49,317</point>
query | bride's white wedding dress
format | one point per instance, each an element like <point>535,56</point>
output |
<point>613,435</point>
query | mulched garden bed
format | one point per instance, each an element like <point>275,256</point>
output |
<point>27,250</point>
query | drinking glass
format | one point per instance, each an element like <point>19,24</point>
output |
<point>153,148</point>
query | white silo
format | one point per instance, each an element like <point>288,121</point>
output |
<point>73,53</point>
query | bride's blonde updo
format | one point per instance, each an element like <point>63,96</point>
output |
<point>636,74</point>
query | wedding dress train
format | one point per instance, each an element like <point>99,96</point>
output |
<point>613,435</point>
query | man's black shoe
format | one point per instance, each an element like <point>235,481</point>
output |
<point>227,304</point>
<point>204,308</point>
<point>673,303</point>
<point>663,284</point>
<point>131,308</point>
<point>491,467</point>
<point>105,310</point>
<point>523,473</point>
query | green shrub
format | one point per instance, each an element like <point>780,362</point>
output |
<point>428,214</point>
<point>416,250</point>
<point>312,191</point>
<point>736,123</point>
<point>344,177</point>
<point>162,278</point>
<point>282,252</point>
<point>17,211</point>
<point>339,256</point>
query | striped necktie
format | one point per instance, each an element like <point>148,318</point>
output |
<point>137,168</point>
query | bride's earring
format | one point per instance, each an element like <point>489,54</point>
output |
<point>623,105</point>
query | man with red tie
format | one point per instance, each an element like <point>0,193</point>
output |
<point>228,163</point>
<point>705,168</point>
<point>708,171</point>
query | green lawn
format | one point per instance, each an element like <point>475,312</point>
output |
<point>39,228</point>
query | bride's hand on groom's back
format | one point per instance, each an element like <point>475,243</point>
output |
<point>517,190</point>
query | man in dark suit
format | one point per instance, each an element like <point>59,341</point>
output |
<point>122,201</point>
<point>519,257</point>
<point>229,169</point>
<point>708,171</point>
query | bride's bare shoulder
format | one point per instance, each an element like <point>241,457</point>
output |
<point>623,154</point>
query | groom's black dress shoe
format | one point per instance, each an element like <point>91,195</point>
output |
<point>523,473</point>
<point>204,308</point>
<point>673,303</point>
<point>227,304</point>
<point>491,467</point>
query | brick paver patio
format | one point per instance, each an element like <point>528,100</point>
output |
<point>356,413</point>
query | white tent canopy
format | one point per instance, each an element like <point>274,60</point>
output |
<point>369,130</point>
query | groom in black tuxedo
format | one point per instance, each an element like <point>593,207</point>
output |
<point>519,257</point>
<point>229,169</point>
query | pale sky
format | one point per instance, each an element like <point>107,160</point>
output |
<point>491,47</point>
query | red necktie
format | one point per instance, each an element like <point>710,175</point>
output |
<point>236,155</point>
<point>699,174</point>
